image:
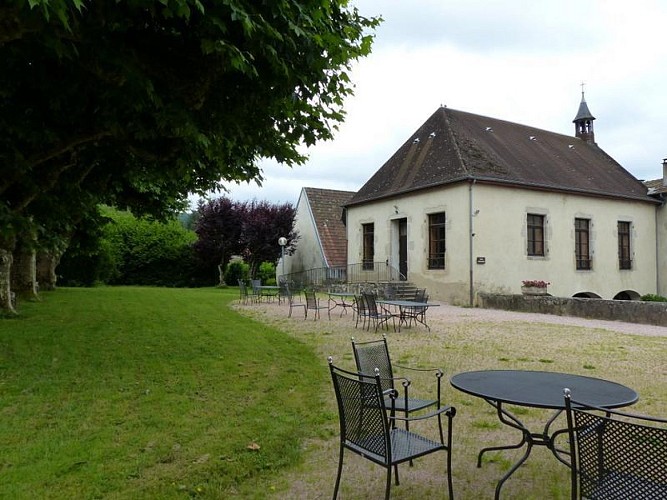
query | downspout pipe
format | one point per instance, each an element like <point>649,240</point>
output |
<point>471,238</point>
<point>657,245</point>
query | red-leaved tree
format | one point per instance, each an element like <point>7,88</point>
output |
<point>250,229</point>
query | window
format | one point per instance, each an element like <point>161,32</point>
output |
<point>368,247</point>
<point>624,259</point>
<point>436,241</point>
<point>535,225</point>
<point>582,243</point>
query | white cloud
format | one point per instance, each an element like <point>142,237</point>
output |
<point>509,59</point>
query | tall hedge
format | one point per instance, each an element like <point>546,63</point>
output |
<point>134,251</point>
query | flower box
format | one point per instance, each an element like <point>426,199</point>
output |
<point>534,290</point>
<point>534,287</point>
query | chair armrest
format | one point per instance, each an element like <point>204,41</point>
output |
<point>438,376</point>
<point>449,410</point>
<point>438,371</point>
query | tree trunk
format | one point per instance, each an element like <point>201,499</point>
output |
<point>7,302</point>
<point>23,273</point>
<point>47,261</point>
<point>221,275</point>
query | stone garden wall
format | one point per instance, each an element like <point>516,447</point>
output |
<point>631,311</point>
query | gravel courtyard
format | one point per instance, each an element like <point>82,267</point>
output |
<point>462,339</point>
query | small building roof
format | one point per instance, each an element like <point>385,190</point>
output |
<point>656,186</point>
<point>326,206</point>
<point>455,146</point>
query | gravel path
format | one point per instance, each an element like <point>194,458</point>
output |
<point>448,313</point>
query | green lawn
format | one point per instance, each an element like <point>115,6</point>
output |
<point>150,393</point>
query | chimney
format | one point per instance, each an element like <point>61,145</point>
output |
<point>664,172</point>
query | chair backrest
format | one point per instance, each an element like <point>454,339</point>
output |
<point>371,305</point>
<point>311,299</point>
<point>616,454</point>
<point>256,284</point>
<point>362,413</point>
<point>371,355</point>
<point>242,288</point>
<point>420,295</point>
<point>360,305</point>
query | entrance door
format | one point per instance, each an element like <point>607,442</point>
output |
<point>403,248</point>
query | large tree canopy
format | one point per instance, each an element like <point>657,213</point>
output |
<point>140,102</point>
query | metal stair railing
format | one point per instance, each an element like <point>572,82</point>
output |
<point>323,277</point>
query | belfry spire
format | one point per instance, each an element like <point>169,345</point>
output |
<point>583,122</point>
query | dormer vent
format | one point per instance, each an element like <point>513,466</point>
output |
<point>532,138</point>
<point>432,135</point>
<point>489,129</point>
<point>416,141</point>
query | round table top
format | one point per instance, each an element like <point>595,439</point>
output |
<point>542,389</point>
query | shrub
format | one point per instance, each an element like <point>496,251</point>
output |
<point>236,270</point>
<point>267,273</point>
<point>651,297</point>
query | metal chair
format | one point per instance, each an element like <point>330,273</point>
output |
<point>615,455</point>
<point>313,304</point>
<point>243,292</point>
<point>417,313</point>
<point>361,311</point>
<point>256,290</point>
<point>291,300</point>
<point>367,426</point>
<point>376,314</point>
<point>375,354</point>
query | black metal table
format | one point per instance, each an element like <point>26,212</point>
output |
<point>408,310</point>
<point>340,299</point>
<point>537,389</point>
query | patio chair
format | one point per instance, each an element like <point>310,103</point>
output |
<point>367,426</point>
<point>283,290</point>
<point>256,291</point>
<point>418,313</point>
<point>293,302</point>
<point>375,354</point>
<point>243,292</point>
<point>615,455</point>
<point>313,304</point>
<point>361,311</point>
<point>377,315</point>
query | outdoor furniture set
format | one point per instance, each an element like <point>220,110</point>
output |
<point>257,291</point>
<point>366,308</point>
<point>610,454</point>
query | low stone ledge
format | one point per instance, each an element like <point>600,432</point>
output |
<point>631,311</point>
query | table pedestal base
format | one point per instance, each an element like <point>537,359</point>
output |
<point>528,439</point>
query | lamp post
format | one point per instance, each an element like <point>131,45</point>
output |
<point>282,241</point>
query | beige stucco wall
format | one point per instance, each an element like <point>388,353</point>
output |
<point>308,254</point>
<point>662,250</point>
<point>499,227</point>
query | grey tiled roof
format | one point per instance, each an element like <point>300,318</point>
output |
<point>455,146</point>
<point>656,186</point>
<point>327,209</point>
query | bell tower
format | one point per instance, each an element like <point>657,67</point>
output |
<point>583,122</point>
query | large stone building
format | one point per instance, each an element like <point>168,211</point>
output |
<point>474,204</point>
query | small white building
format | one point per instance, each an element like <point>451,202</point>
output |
<point>322,240</point>
<point>473,204</point>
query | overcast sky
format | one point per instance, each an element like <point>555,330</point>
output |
<point>516,60</point>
